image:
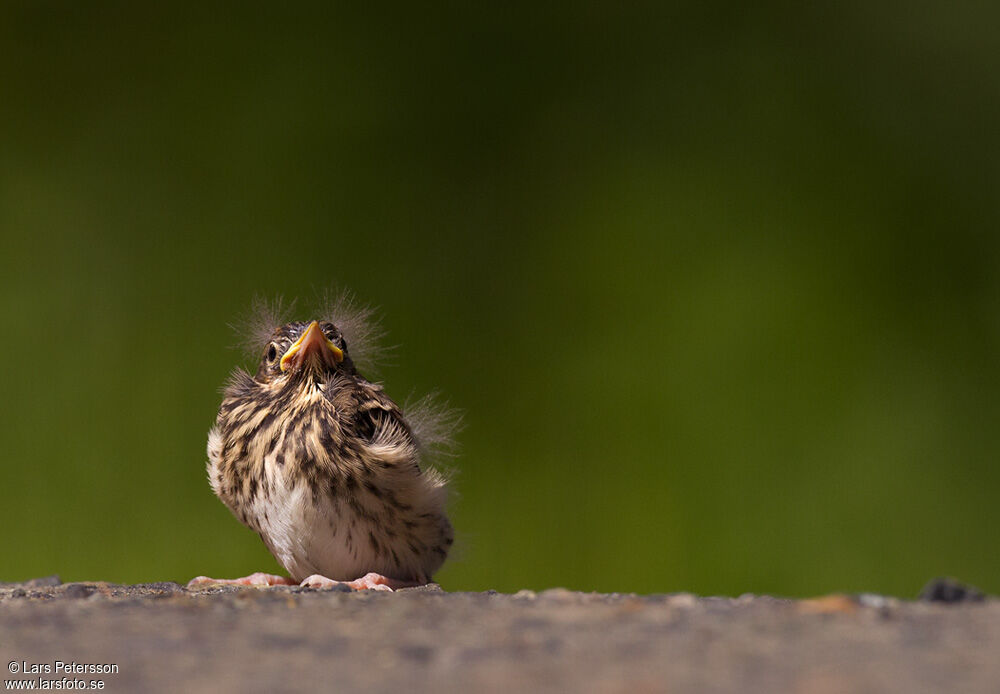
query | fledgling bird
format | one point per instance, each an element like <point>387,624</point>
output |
<point>325,467</point>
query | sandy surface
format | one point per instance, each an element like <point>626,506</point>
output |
<point>162,637</point>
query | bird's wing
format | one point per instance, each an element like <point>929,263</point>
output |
<point>365,410</point>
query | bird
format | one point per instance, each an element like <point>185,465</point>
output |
<point>325,467</point>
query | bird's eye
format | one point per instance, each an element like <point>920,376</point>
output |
<point>333,336</point>
<point>272,353</point>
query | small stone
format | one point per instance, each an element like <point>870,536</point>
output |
<point>950,590</point>
<point>79,590</point>
<point>43,582</point>
<point>685,600</point>
<point>876,601</point>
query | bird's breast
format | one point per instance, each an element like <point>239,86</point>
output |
<point>325,501</point>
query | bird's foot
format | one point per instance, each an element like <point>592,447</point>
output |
<point>257,580</point>
<point>370,581</point>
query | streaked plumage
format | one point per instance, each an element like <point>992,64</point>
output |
<point>324,466</point>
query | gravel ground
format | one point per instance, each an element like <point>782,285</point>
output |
<point>162,637</point>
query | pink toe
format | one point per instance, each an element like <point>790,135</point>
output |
<point>256,580</point>
<point>370,581</point>
<point>318,581</point>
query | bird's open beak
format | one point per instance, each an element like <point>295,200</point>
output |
<point>313,341</point>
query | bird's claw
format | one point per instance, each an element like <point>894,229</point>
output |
<point>370,581</point>
<point>255,580</point>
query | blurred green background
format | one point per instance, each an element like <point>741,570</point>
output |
<point>716,286</point>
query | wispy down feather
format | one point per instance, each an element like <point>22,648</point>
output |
<point>360,326</point>
<point>357,322</point>
<point>256,325</point>
<point>434,424</point>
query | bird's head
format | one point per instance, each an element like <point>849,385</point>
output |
<point>314,349</point>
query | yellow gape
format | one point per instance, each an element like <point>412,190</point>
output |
<point>313,336</point>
